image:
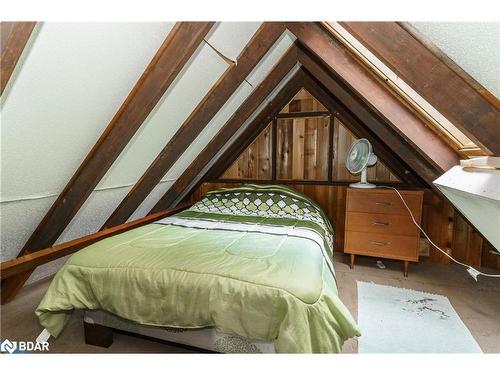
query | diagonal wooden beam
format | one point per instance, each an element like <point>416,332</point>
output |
<point>14,36</point>
<point>252,130</point>
<point>215,99</point>
<point>246,109</point>
<point>449,89</point>
<point>375,95</point>
<point>397,166</point>
<point>29,262</point>
<point>173,54</point>
<point>378,125</point>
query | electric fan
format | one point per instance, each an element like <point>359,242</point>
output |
<point>360,157</point>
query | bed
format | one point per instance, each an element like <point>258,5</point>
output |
<point>249,264</point>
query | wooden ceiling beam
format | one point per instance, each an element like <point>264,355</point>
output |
<point>447,87</point>
<point>375,95</point>
<point>246,109</point>
<point>173,54</point>
<point>252,131</point>
<point>214,100</point>
<point>377,125</point>
<point>14,37</point>
<point>397,166</point>
<point>30,261</point>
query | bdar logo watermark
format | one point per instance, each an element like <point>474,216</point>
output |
<point>12,347</point>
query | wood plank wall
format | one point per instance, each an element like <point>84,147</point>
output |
<point>342,140</point>
<point>302,151</point>
<point>302,148</point>
<point>256,161</point>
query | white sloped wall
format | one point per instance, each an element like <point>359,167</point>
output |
<point>196,79</point>
<point>474,46</point>
<point>72,80</point>
<point>252,80</point>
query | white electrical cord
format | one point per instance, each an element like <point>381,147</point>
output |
<point>472,271</point>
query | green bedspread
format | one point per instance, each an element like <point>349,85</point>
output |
<point>251,261</point>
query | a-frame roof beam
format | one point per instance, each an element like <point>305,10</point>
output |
<point>173,54</point>
<point>405,151</point>
<point>374,94</point>
<point>257,126</point>
<point>28,262</point>
<point>14,35</point>
<point>213,101</point>
<point>184,186</point>
<point>397,166</point>
<point>474,112</point>
<point>245,111</point>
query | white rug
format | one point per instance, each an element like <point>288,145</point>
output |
<point>396,320</point>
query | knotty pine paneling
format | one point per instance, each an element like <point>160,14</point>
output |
<point>342,141</point>
<point>303,102</point>
<point>255,162</point>
<point>302,148</point>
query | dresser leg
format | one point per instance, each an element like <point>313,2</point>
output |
<point>353,257</point>
<point>406,268</point>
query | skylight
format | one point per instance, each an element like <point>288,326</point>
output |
<point>443,127</point>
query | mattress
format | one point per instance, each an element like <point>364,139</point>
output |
<point>252,261</point>
<point>204,338</point>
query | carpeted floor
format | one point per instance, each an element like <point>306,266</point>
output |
<point>477,304</point>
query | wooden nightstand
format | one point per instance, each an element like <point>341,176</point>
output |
<point>378,224</point>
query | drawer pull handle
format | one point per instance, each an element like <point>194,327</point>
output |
<point>380,223</point>
<point>378,243</point>
<point>383,203</point>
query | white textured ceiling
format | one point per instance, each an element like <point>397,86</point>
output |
<point>74,78</point>
<point>474,46</point>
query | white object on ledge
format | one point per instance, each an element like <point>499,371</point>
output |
<point>475,192</point>
<point>481,162</point>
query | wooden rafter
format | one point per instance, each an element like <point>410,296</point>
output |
<point>397,166</point>
<point>377,125</point>
<point>249,106</point>
<point>173,54</point>
<point>469,106</point>
<point>375,95</point>
<point>28,262</point>
<point>264,118</point>
<point>213,101</point>
<point>337,109</point>
<point>14,37</point>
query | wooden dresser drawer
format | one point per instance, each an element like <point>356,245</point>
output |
<point>383,201</point>
<point>400,225</point>
<point>380,245</point>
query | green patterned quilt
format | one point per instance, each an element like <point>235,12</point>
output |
<point>252,261</point>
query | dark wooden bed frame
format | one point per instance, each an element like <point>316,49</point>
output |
<point>102,336</point>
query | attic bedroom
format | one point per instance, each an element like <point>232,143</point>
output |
<point>250,187</point>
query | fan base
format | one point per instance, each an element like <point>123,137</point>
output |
<point>363,185</point>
